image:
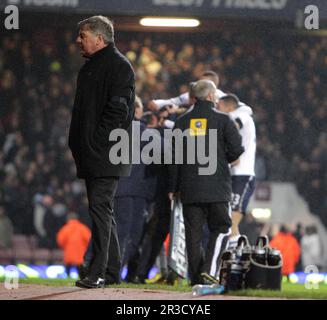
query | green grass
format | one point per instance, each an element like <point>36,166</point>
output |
<point>289,290</point>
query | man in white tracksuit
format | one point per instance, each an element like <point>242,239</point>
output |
<point>242,171</point>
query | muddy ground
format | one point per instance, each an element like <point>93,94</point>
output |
<point>42,292</point>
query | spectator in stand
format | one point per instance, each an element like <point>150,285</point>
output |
<point>42,208</point>
<point>73,238</point>
<point>298,233</point>
<point>6,230</point>
<point>290,249</point>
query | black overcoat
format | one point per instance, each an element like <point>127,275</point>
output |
<point>104,101</point>
<point>185,178</point>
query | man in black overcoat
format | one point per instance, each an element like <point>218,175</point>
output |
<point>205,194</point>
<point>104,102</point>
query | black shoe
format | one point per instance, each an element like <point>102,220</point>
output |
<point>109,282</point>
<point>208,279</point>
<point>172,278</point>
<point>82,271</point>
<point>137,280</point>
<point>89,283</point>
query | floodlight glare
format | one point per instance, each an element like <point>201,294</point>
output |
<point>260,213</point>
<point>170,22</point>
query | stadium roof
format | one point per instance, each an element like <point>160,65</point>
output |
<point>264,9</point>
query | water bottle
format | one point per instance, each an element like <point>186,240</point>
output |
<point>203,289</point>
<point>262,241</point>
<point>236,277</point>
<point>225,266</point>
<point>246,254</point>
<point>259,256</point>
<point>226,256</point>
<point>243,250</point>
<point>274,257</point>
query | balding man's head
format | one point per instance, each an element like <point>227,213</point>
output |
<point>205,90</point>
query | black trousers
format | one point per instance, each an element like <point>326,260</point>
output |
<point>217,215</point>
<point>154,235</point>
<point>105,256</point>
<point>130,213</point>
<point>157,234</point>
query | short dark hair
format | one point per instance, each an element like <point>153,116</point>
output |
<point>283,229</point>
<point>99,25</point>
<point>231,98</point>
<point>213,76</point>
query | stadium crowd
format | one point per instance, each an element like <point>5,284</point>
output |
<point>283,80</point>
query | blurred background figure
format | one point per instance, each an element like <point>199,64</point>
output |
<point>311,247</point>
<point>130,201</point>
<point>73,238</point>
<point>42,210</point>
<point>157,224</point>
<point>49,216</point>
<point>290,249</point>
<point>298,234</point>
<point>250,227</point>
<point>6,230</point>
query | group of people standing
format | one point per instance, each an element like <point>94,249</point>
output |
<point>105,101</point>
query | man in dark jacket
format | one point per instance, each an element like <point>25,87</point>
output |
<point>104,102</point>
<point>205,194</point>
<point>130,199</point>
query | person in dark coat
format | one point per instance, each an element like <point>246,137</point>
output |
<point>104,101</point>
<point>155,230</point>
<point>130,200</point>
<point>205,189</point>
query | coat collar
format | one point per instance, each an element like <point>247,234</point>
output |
<point>103,52</point>
<point>204,104</point>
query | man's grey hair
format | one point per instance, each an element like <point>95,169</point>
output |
<point>202,88</point>
<point>99,25</point>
